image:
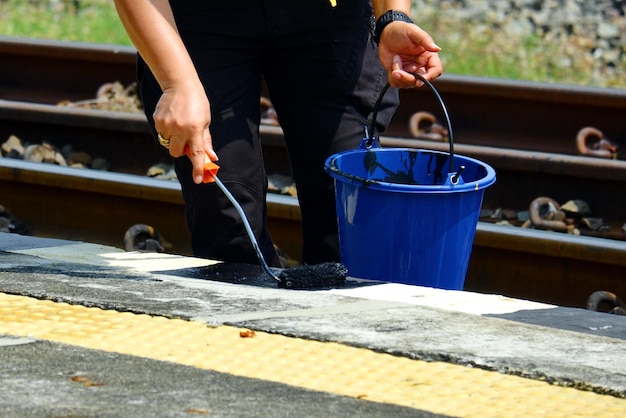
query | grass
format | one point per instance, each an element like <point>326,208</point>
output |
<point>93,21</point>
<point>466,51</point>
<point>525,58</point>
<point>486,50</point>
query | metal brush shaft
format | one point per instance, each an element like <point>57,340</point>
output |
<point>246,224</point>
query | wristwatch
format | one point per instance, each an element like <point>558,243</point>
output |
<point>377,25</point>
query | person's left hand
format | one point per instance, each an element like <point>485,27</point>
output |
<point>405,48</point>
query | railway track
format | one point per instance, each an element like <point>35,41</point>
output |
<point>489,112</point>
<point>532,151</point>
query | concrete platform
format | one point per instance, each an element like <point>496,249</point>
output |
<point>92,331</point>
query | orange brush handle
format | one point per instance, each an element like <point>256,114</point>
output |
<point>210,168</point>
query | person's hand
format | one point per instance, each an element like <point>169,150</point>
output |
<point>181,118</point>
<point>405,48</point>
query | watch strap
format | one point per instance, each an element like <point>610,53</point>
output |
<point>377,25</point>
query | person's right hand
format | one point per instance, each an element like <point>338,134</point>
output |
<point>182,116</point>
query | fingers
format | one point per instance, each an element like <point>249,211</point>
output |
<point>208,146</point>
<point>197,154</point>
<point>407,50</point>
<point>399,77</point>
<point>181,119</point>
<point>433,67</point>
<point>165,142</point>
<point>198,157</point>
<point>402,74</point>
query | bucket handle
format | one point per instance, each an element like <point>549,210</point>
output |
<point>371,135</point>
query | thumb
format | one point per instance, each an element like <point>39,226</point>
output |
<point>422,38</point>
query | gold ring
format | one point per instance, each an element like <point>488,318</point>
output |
<point>163,141</point>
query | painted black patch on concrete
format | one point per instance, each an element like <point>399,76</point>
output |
<point>572,319</point>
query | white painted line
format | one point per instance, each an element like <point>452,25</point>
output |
<point>106,256</point>
<point>154,261</point>
<point>450,300</point>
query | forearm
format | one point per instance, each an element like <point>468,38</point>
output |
<point>151,27</point>
<point>381,6</point>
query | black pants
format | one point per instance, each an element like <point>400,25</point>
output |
<point>323,76</point>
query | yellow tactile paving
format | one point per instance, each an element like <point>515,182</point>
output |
<point>437,387</point>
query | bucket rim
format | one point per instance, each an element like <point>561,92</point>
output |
<point>331,169</point>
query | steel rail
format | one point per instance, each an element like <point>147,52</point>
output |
<point>484,111</point>
<point>98,207</point>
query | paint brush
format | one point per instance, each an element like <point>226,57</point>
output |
<point>329,274</point>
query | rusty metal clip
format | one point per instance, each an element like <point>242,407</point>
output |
<point>617,306</point>
<point>424,125</point>
<point>545,213</point>
<point>141,237</point>
<point>602,147</point>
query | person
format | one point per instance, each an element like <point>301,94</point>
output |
<point>201,67</point>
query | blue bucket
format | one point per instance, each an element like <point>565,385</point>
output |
<point>408,215</point>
